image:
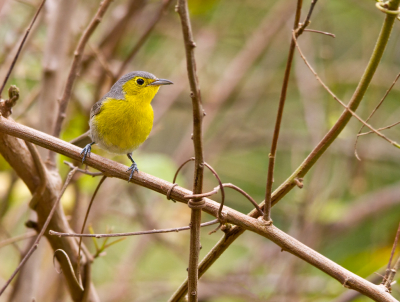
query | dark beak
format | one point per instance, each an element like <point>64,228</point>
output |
<point>160,82</point>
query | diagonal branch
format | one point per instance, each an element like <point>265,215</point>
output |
<point>243,222</point>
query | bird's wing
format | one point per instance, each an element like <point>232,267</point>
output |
<point>96,108</point>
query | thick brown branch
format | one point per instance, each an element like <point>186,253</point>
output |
<point>243,222</point>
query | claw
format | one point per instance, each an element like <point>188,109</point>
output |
<point>132,168</point>
<point>86,151</point>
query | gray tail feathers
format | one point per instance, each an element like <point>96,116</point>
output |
<point>82,140</point>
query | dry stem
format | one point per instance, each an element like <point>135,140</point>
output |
<point>272,154</point>
<point>171,230</point>
<point>35,245</point>
<point>195,204</point>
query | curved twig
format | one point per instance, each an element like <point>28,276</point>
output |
<point>69,264</point>
<point>83,227</point>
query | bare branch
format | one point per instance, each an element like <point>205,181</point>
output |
<point>83,227</point>
<point>16,238</point>
<point>198,113</point>
<point>315,154</point>
<point>274,144</point>
<point>339,101</point>
<point>35,245</point>
<point>171,230</point>
<point>243,222</point>
<point>372,113</point>
<point>20,46</point>
<point>391,272</point>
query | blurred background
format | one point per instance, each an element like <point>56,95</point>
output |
<point>348,209</point>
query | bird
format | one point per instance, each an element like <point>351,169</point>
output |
<point>123,118</point>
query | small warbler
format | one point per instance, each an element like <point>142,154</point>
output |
<point>122,120</point>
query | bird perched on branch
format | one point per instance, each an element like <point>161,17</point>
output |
<point>122,120</point>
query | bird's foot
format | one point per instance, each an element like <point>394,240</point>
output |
<point>132,168</point>
<point>86,151</point>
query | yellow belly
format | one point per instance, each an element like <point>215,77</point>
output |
<point>122,126</point>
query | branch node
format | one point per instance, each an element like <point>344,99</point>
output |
<point>170,191</point>
<point>263,222</point>
<point>196,205</point>
<point>299,182</point>
<point>345,282</point>
<point>384,7</point>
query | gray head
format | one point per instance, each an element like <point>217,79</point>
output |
<point>117,91</point>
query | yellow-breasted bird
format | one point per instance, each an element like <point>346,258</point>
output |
<point>122,120</point>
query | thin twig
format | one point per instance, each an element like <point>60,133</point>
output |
<point>339,101</point>
<point>272,154</point>
<point>20,46</point>
<point>198,113</point>
<point>372,113</point>
<point>71,165</point>
<point>379,129</point>
<point>391,272</point>
<point>143,38</point>
<point>83,228</point>
<point>36,243</point>
<point>320,32</point>
<point>171,230</point>
<point>16,238</point>
<point>73,73</point>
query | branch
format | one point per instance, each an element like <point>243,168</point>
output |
<point>20,46</point>
<point>316,153</point>
<point>131,233</point>
<point>272,154</point>
<point>372,113</point>
<point>243,222</point>
<point>16,238</point>
<point>44,227</point>
<point>197,203</point>
<point>339,101</point>
<point>74,70</point>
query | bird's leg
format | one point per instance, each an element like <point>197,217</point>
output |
<point>86,151</point>
<point>133,167</point>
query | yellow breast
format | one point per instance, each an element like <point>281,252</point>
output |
<point>122,125</point>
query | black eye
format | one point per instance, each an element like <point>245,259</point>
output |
<point>140,81</point>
